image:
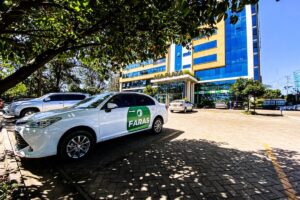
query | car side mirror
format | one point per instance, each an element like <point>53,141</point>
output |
<point>47,99</point>
<point>110,106</point>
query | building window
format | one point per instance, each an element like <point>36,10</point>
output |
<point>145,72</point>
<point>256,73</point>
<point>159,61</point>
<point>186,66</point>
<point>205,46</point>
<point>187,54</point>
<point>136,84</point>
<point>256,62</point>
<point>178,58</point>
<point>254,20</point>
<point>253,9</point>
<point>205,59</point>
<point>147,62</point>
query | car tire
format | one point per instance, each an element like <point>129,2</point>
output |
<point>68,150</point>
<point>172,111</point>
<point>28,111</point>
<point>157,125</point>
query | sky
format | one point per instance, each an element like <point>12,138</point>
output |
<point>280,41</point>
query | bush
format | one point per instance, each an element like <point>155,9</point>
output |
<point>6,189</point>
<point>187,72</point>
<point>205,103</point>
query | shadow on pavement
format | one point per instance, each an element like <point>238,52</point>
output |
<point>189,169</point>
<point>145,165</point>
<point>46,175</point>
<point>269,115</point>
<point>190,112</point>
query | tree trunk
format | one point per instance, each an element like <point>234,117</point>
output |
<point>25,71</point>
<point>248,99</point>
<point>254,104</point>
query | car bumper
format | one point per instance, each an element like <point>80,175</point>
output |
<point>35,142</point>
<point>176,108</point>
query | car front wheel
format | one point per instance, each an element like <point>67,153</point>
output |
<point>157,125</point>
<point>76,145</point>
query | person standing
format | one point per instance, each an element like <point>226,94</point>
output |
<point>1,104</point>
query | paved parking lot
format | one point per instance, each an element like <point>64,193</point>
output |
<point>207,154</point>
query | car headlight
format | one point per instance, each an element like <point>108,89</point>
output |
<point>42,123</point>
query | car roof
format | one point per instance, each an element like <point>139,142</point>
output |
<point>138,93</point>
<point>68,93</point>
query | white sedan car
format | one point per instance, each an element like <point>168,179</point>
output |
<point>181,105</point>
<point>72,132</point>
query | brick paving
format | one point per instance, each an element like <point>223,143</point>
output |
<point>191,169</point>
<point>194,158</point>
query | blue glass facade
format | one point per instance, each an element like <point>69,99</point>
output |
<point>235,50</point>
<point>208,93</point>
<point>256,59</point>
<point>205,46</point>
<point>178,57</point>
<point>187,54</point>
<point>205,59</point>
<point>238,56</point>
<point>148,62</point>
<point>145,72</point>
<point>186,66</point>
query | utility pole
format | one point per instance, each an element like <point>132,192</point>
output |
<point>287,85</point>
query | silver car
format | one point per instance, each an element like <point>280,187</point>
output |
<point>221,105</point>
<point>181,105</point>
<point>47,102</point>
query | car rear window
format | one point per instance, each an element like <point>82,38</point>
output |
<point>142,100</point>
<point>56,97</point>
<point>74,97</point>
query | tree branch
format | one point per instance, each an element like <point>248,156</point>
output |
<point>25,71</point>
<point>83,45</point>
<point>14,42</point>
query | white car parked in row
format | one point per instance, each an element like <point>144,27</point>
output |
<point>47,102</point>
<point>72,132</point>
<point>181,105</point>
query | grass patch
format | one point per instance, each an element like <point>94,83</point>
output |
<point>6,188</point>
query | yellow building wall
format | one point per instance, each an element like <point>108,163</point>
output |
<point>219,50</point>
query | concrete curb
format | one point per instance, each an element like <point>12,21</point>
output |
<point>10,162</point>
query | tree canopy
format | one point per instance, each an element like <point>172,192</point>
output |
<point>103,34</point>
<point>272,94</point>
<point>247,88</point>
<point>150,90</point>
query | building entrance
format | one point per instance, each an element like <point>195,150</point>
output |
<point>168,92</point>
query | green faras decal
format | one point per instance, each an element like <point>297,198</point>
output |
<point>138,118</point>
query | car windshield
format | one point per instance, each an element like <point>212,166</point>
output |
<point>42,97</point>
<point>92,102</point>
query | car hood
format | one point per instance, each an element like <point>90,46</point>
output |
<point>66,112</point>
<point>32,101</point>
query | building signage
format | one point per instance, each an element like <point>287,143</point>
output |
<point>169,74</point>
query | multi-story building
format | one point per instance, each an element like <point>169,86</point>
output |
<point>208,69</point>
